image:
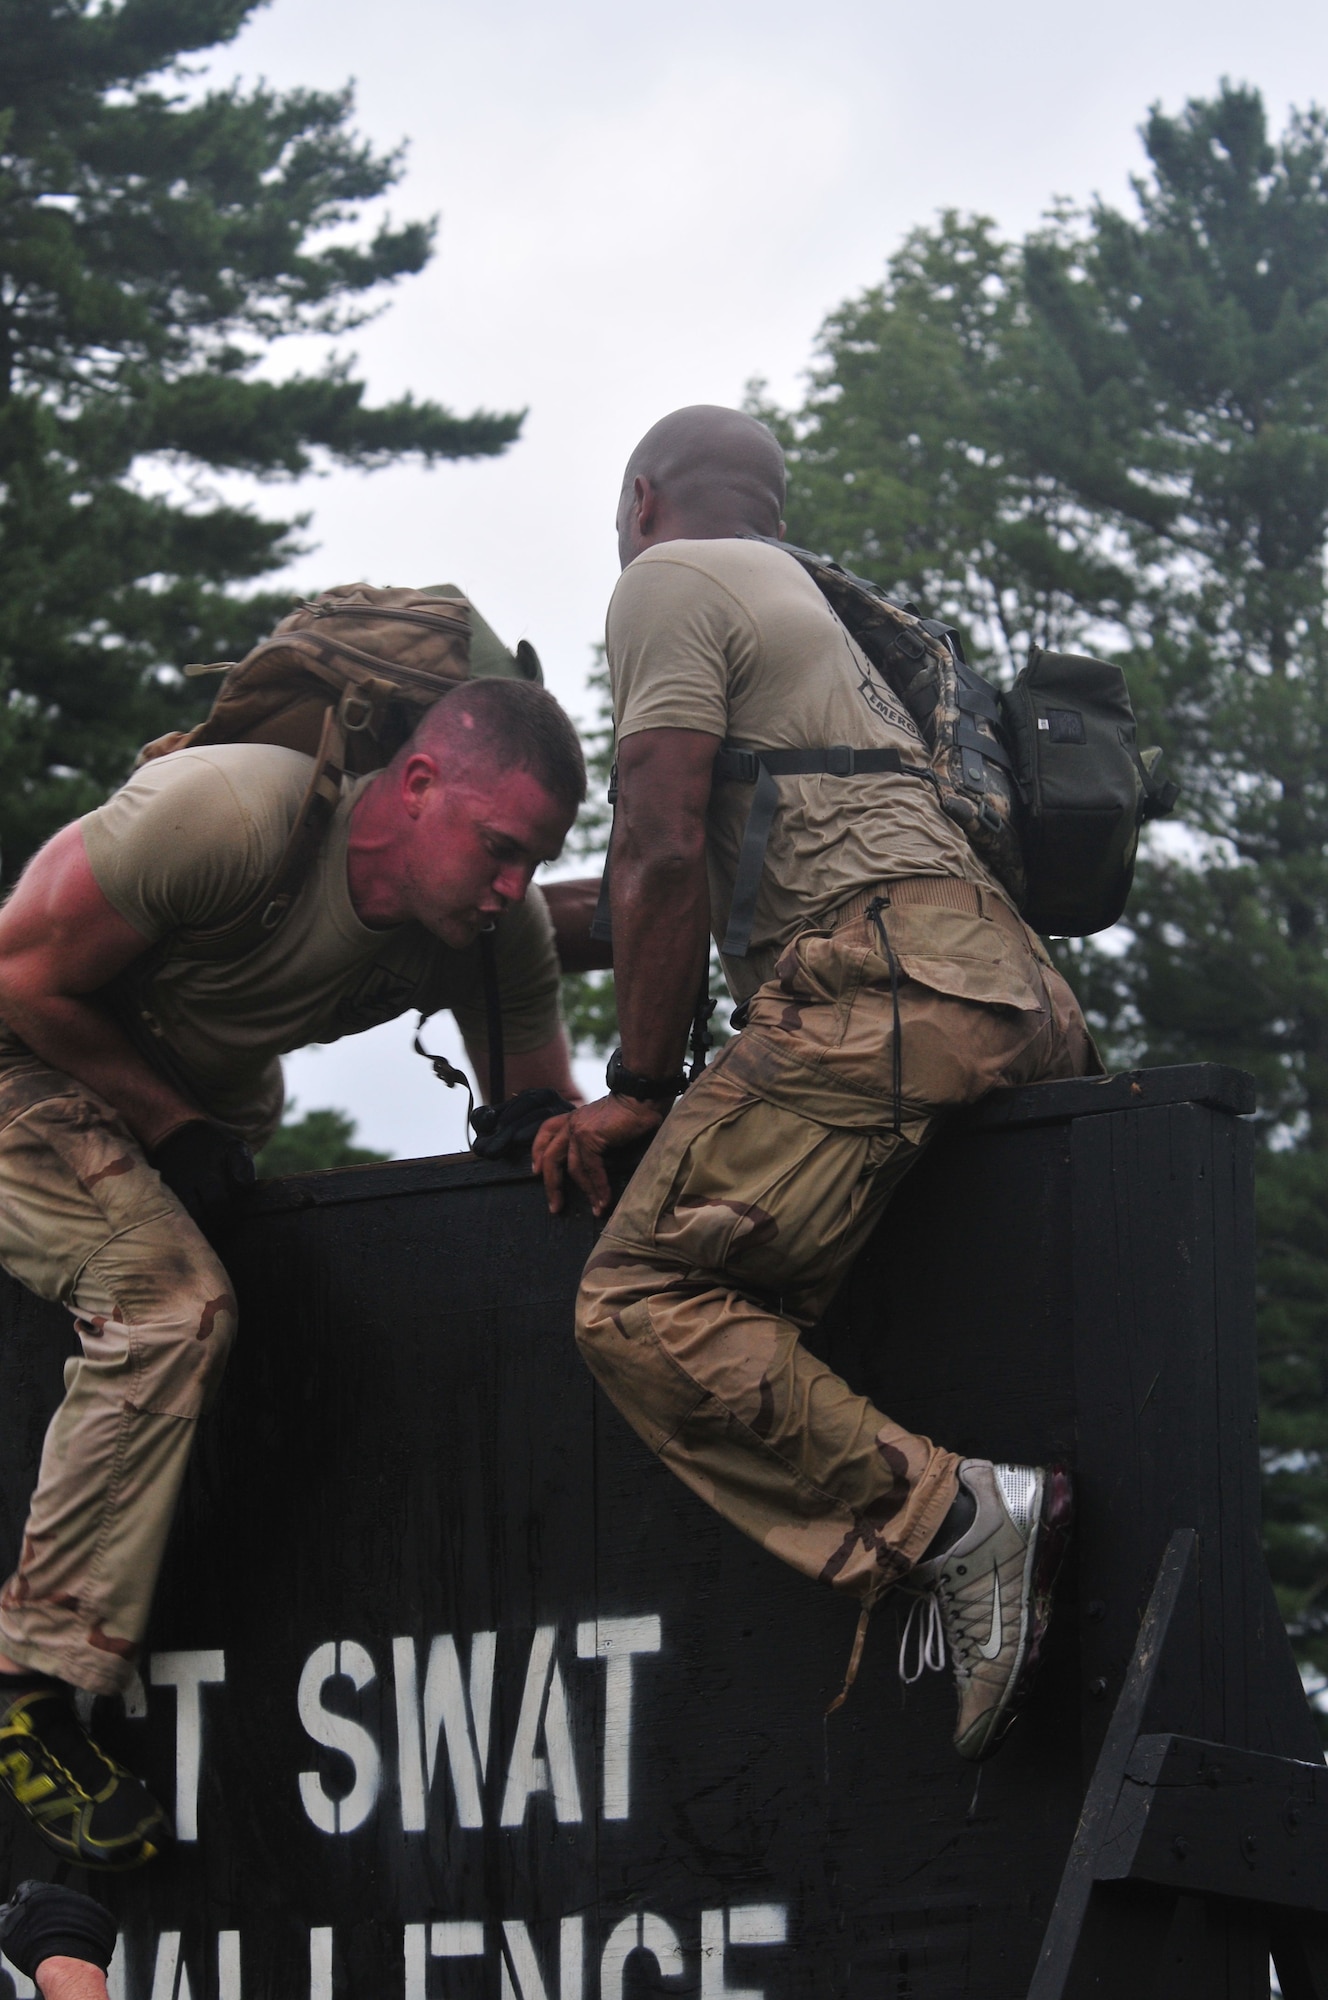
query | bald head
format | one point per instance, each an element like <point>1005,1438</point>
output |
<point>702,473</point>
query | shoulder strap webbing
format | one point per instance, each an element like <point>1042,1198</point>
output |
<point>124,996</point>
<point>760,768</point>
<point>266,911</point>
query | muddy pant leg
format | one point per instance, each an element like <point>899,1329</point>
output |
<point>87,1220</point>
<point>744,1205</point>
<point>758,1192</point>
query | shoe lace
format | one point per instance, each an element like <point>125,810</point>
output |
<point>928,1639</point>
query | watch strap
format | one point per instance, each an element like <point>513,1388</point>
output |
<point>624,1082</point>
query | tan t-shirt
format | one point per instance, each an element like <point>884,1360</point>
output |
<point>186,844</point>
<point>734,638</point>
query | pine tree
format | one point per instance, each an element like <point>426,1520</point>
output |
<point>1116,434</point>
<point>155,243</point>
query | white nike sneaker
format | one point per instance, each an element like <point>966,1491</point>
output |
<point>990,1594</point>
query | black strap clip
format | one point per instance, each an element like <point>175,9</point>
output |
<point>742,766</point>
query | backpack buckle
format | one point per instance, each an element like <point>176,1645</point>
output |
<point>354,712</point>
<point>839,760</point>
<point>743,766</point>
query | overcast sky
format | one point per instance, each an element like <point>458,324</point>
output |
<point>642,208</point>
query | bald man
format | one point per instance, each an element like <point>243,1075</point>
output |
<point>888,979</point>
<point>116,1164</point>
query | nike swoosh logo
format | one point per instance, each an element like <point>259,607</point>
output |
<point>992,1644</point>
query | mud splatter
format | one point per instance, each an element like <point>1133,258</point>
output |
<point>124,1165</point>
<point>222,1303</point>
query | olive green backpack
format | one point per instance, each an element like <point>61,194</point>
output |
<point>344,679</point>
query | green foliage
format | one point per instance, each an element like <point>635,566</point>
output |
<point>1115,435</point>
<point>154,246</point>
<point>589,1004</point>
<point>589,838</point>
<point>923,454</point>
<point>590,1011</point>
<point>311,1144</point>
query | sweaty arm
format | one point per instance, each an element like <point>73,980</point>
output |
<point>661,921</point>
<point>60,941</point>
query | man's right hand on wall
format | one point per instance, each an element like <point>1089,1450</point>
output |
<point>577,1145</point>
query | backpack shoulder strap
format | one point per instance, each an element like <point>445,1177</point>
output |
<point>267,910</point>
<point>760,768</point>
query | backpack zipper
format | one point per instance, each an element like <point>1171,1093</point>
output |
<point>431,620</point>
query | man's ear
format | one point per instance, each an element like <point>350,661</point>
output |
<point>646,503</point>
<point>782,530</point>
<point>419,775</point>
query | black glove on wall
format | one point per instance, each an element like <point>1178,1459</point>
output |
<point>507,1129</point>
<point>43,1920</point>
<point>205,1168</point>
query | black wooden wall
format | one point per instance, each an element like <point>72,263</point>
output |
<point>455,1692</point>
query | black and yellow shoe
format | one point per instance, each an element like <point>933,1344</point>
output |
<point>83,1804</point>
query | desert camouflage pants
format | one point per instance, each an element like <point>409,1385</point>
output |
<point>762,1185</point>
<point>85,1220</point>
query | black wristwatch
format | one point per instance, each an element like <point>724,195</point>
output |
<point>647,1089</point>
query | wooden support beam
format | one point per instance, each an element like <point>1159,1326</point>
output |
<point>1170,1817</point>
<point>1194,1815</point>
<point>1067,1941</point>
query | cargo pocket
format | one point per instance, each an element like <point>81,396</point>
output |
<point>966,957</point>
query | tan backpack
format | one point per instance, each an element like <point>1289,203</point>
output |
<point>345,679</point>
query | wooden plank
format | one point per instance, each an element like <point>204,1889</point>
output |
<point>1212,1084</point>
<point>1143,1358</point>
<point>1215,1085</point>
<point>1201,1816</point>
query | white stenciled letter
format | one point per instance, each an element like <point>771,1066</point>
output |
<point>748,1924</point>
<point>460,1715</point>
<point>543,1696</point>
<point>617,1641</point>
<point>320,1964</point>
<point>643,1933</point>
<point>188,1674</point>
<point>336,1732</point>
<point>170,1980</point>
<point>228,1966</point>
<point>522,1978</point>
<point>451,1939</point>
<point>23,1986</point>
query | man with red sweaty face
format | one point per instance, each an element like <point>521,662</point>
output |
<point>119,1156</point>
<point>886,978</point>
